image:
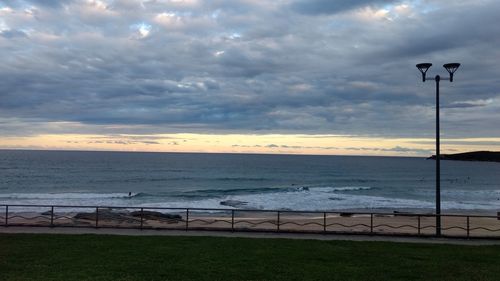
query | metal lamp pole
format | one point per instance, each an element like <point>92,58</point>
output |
<point>451,68</point>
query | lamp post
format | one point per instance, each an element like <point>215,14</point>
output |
<point>451,68</point>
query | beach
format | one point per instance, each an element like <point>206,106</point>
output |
<point>453,225</point>
<point>286,193</point>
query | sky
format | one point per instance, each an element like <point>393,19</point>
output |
<point>248,76</point>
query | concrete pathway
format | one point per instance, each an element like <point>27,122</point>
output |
<point>150,232</point>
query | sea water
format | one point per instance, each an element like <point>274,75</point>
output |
<point>202,180</point>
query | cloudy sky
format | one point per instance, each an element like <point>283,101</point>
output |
<point>281,76</point>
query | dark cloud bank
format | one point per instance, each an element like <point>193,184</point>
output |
<point>334,67</point>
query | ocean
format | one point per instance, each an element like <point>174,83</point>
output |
<point>244,181</point>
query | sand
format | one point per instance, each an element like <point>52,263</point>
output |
<point>240,220</point>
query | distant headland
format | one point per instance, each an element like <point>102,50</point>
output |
<point>488,156</point>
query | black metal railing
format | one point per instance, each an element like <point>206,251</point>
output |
<point>325,222</point>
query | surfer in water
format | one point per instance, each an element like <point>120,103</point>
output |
<point>129,194</point>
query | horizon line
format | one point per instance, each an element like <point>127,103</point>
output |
<point>205,152</point>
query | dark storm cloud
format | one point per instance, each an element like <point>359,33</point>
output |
<point>467,104</point>
<point>49,3</point>
<point>315,7</point>
<point>12,33</point>
<point>348,67</point>
<point>41,3</point>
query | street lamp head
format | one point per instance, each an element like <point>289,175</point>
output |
<point>423,67</point>
<point>451,68</point>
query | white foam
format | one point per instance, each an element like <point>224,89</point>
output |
<point>69,195</point>
<point>343,188</point>
<point>314,198</point>
<point>326,198</point>
<point>68,199</point>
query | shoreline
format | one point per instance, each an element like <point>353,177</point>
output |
<point>457,225</point>
<point>223,208</point>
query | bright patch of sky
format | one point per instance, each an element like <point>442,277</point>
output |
<point>142,29</point>
<point>248,68</point>
<point>215,14</point>
<point>235,35</point>
<point>3,25</point>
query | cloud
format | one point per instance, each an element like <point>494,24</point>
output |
<point>315,7</point>
<point>272,146</point>
<point>40,3</point>
<point>9,34</point>
<point>132,139</point>
<point>406,149</point>
<point>467,104</point>
<point>470,142</point>
<point>398,149</point>
<point>347,67</point>
<point>123,142</point>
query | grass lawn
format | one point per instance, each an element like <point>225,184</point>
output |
<point>101,257</point>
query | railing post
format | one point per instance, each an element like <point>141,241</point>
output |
<point>6,215</point>
<point>52,216</point>
<point>468,227</point>
<point>187,219</point>
<point>278,224</point>
<point>438,225</point>
<point>371,223</point>
<point>142,217</point>
<point>96,217</point>
<point>418,224</point>
<point>324,221</point>
<point>232,220</point>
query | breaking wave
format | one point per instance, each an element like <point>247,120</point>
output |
<point>292,198</point>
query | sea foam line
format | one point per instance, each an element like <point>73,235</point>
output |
<point>68,195</point>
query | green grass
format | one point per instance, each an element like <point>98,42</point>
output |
<point>101,257</point>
